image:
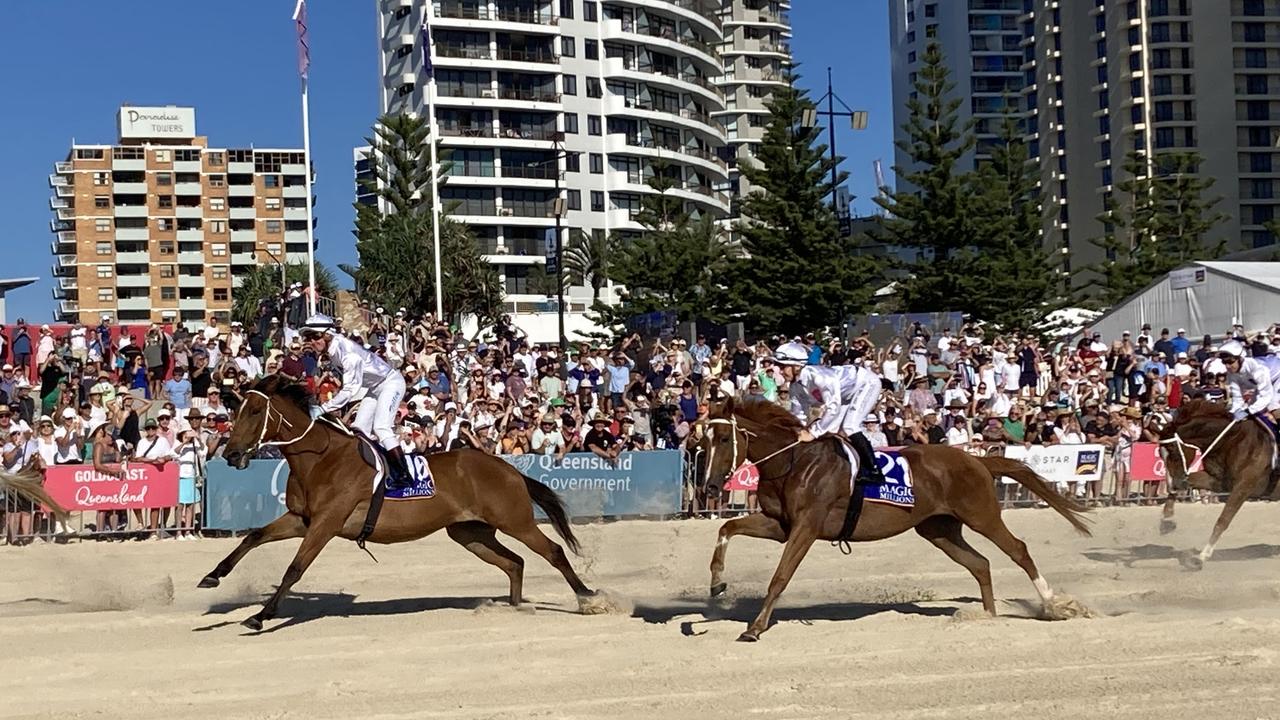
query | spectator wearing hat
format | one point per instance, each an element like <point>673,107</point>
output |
<point>21,348</point>
<point>602,442</point>
<point>620,372</point>
<point>178,388</point>
<point>190,455</point>
<point>155,450</point>
<point>871,428</point>
<point>69,436</point>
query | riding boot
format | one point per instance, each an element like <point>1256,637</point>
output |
<point>398,476</point>
<point>868,468</point>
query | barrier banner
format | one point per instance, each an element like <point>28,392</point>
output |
<point>1146,464</point>
<point>1060,463</point>
<point>746,477</point>
<point>244,499</point>
<point>648,482</point>
<point>79,487</point>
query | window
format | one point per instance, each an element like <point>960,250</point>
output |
<point>1256,85</point>
<point>162,156</point>
<point>102,224</point>
<point>1261,189</point>
<point>275,249</point>
<point>575,199</point>
<point>593,87</point>
<point>216,159</point>
<point>567,48</point>
<point>102,201</point>
<point>573,162</point>
<point>911,56</point>
<point>593,124</point>
<point>1259,110</point>
<point>1255,58</point>
<point>596,163</point>
<point>164,179</point>
<point>911,36</point>
<point>164,224</point>
<point>166,247</point>
<point>591,50</point>
<point>589,11</point>
<point>270,181</point>
<point>89,153</point>
<point>106,294</point>
<point>273,226</point>
<point>217,181</point>
<point>164,201</point>
<point>166,271</point>
<point>218,249</point>
<point>931,10</point>
<point>219,272</point>
<point>272,203</point>
<point>1259,137</point>
<point>103,248</point>
<point>101,178</point>
<point>571,123</point>
<point>168,292</point>
<point>931,31</point>
<point>569,84</point>
<point>1255,32</point>
<point>1254,7</point>
<point>106,271</point>
<point>217,203</point>
<point>597,201</point>
<point>1164,137</point>
<point>218,226</point>
<point>566,9</point>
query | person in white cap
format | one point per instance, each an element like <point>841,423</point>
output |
<point>1245,374</point>
<point>362,370</point>
<point>847,394</point>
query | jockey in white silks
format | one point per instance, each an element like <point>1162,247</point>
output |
<point>1247,374</point>
<point>846,394</point>
<point>379,386</point>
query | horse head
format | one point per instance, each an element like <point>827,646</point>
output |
<point>725,442</point>
<point>1196,425</point>
<point>276,410</point>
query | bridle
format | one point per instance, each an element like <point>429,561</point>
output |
<point>280,422</point>
<point>732,422</point>
<point>1198,462</point>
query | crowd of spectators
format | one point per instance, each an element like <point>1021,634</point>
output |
<point>159,395</point>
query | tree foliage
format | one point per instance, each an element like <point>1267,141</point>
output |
<point>1156,221</point>
<point>395,249</point>
<point>263,282</point>
<point>798,272</point>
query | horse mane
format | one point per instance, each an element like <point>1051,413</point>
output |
<point>280,386</point>
<point>764,413</point>
<point>1197,409</point>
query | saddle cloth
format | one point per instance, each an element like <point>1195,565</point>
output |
<point>896,490</point>
<point>422,484</point>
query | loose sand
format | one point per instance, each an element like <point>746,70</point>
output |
<point>120,630</point>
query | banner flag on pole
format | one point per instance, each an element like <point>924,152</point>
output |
<point>428,70</point>
<point>304,42</point>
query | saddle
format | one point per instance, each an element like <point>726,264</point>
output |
<point>419,485</point>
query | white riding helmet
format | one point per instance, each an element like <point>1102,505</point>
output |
<point>1231,347</point>
<point>318,324</point>
<point>792,353</point>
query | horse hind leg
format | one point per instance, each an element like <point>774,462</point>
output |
<point>754,525</point>
<point>284,527</point>
<point>1167,523</point>
<point>532,536</point>
<point>944,532</point>
<point>1055,607</point>
<point>481,540</point>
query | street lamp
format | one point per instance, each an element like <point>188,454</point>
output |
<point>809,118</point>
<point>557,209</point>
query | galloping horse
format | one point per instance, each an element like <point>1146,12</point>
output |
<point>804,491</point>
<point>1236,456</point>
<point>329,491</point>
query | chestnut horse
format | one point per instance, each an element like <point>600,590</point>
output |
<point>1236,457</point>
<point>330,485</point>
<point>804,492</point>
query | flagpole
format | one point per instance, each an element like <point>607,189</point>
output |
<point>435,173</point>
<point>311,242</point>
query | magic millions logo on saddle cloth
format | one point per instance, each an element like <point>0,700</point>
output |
<point>897,489</point>
<point>423,485</point>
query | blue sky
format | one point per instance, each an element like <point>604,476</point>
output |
<point>69,64</point>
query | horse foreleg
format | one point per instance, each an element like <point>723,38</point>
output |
<point>1167,523</point>
<point>798,543</point>
<point>284,527</point>
<point>316,537</point>
<point>755,525</point>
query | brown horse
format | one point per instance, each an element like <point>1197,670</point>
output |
<point>804,492</point>
<point>330,485</point>
<point>1236,458</point>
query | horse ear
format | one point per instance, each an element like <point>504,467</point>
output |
<point>727,408</point>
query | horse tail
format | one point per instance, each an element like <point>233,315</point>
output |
<point>29,484</point>
<point>551,504</point>
<point>1069,508</point>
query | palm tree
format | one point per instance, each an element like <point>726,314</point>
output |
<point>263,281</point>
<point>586,258</point>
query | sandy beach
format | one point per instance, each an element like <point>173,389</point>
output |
<point>893,631</point>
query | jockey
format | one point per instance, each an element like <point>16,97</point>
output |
<point>367,374</point>
<point>847,394</point>
<point>1243,374</point>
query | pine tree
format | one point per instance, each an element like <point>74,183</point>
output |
<point>395,249</point>
<point>798,273</point>
<point>932,211</point>
<point>1019,287</point>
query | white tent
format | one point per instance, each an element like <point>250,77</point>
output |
<point>1206,298</point>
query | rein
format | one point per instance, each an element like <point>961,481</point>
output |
<point>732,422</point>
<point>281,421</point>
<point>1199,461</point>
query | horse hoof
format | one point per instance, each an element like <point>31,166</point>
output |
<point>718,589</point>
<point>1192,562</point>
<point>209,581</point>
<point>253,623</point>
<point>1167,526</point>
<point>749,636</point>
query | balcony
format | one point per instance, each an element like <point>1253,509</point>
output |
<point>188,211</point>
<point>132,234</point>
<point>196,235</point>
<point>464,52</point>
<point>133,303</point>
<point>56,203</point>
<point>133,257</point>
<point>56,180</point>
<point>243,213</point>
<point>130,188</point>
<point>140,280</point>
<point>513,132</point>
<point>240,168</point>
<point>190,281</point>
<point>65,191</point>
<point>529,94</point>
<point>294,191</point>
<point>63,166</point>
<point>244,236</point>
<point>130,211</point>
<point>186,188</point>
<point>240,191</point>
<point>531,209</point>
<point>191,304</point>
<point>190,166</point>
<point>60,225</point>
<point>524,15</point>
<point>295,213</point>
<point>463,12</point>
<point>475,131</point>
<point>68,283</point>
<point>526,55</point>
<point>531,172</point>
<point>66,237</point>
<point>65,213</point>
<point>131,164</point>
<point>64,264</point>
<point>68,307</point>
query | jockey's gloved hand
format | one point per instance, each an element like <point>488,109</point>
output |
<point>316,411</point>
<point>1240,414</point>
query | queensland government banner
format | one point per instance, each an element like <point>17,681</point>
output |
<point>1060,463</point>
<point>639,483</point>
<point>648,482</point>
